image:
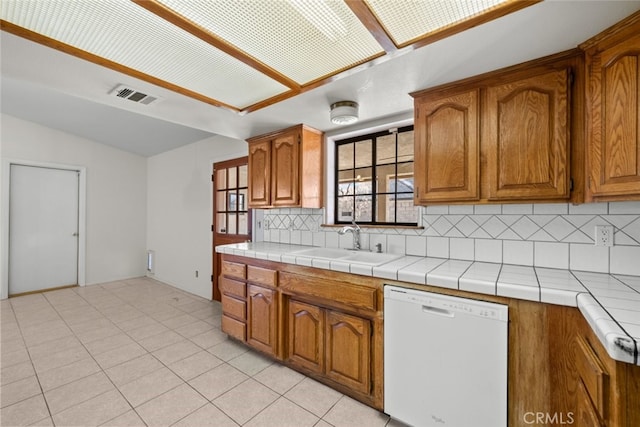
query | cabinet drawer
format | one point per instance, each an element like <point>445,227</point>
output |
<point>593,375</point>
<point>234,308</point>
<point>262,276</point>
<point>233,269</point>
<point>232,287</point>
<point>361,297</point>
<point>234,328</point>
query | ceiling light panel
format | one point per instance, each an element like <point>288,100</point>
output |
<point>409,20</point>
<point>304,40</point>
<point>125,33</point>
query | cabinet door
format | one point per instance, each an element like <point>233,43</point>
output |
<point>261,319</point>
<point>306,336</point>
<point>585,415</point>
<point>593,375</point>
<point>348,352</point>
<point>613,108</point>
<point>446,148</point>
<point>285,181</point>
<point>259,174</point>
<point>526,132</point>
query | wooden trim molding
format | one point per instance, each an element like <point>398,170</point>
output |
<point>40,291</point>
<point>371,23</point>
<point>619,30</point>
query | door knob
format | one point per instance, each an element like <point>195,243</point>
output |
<point>75,234</point>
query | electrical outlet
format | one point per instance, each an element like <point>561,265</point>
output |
<point>604,235</point>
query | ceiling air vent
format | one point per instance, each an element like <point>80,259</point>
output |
<point>126,92</point>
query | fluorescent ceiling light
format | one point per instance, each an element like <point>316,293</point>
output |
<point>322,17</point>
<point>408,21</point>
<point>242,55</point>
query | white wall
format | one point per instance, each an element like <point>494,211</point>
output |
<point>116,194</point>
<point>179,211</point>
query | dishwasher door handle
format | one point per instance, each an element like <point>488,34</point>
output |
<point>437,311</point>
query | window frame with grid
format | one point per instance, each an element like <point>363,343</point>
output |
<point>360,194</point>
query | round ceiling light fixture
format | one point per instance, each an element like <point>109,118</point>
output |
<point>344,112</point>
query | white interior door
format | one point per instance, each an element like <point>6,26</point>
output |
<point>43,228</point>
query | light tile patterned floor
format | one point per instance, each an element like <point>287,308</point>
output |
<point>138,352</point>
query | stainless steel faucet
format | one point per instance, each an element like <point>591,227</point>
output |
<point>355,230</point>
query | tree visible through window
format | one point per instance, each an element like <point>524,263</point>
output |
<point>374,178</point>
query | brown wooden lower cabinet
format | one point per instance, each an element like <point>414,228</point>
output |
<point>261,319</point>
<point>585,382</point>
<point>329,325</point>
<point>586,415</point>
<point>348,350</point>
<point>305,344</point>
<point>593,378</point>
<point>332,343</point>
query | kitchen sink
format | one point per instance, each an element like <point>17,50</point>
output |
<point>347,255</point>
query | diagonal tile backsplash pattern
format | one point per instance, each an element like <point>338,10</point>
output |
<point>556,235</point>
<point>539,228</point>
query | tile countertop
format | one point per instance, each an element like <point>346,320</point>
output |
<point>609,303</point>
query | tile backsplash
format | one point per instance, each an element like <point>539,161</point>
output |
<point>546,235</point>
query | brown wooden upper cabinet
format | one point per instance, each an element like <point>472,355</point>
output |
<point>526,135</point>
<point>502,136</point>
<point>447,147</point>
<point>613,111</point>
<point>286,168</point>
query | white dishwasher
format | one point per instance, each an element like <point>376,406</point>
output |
<point>445,360</point>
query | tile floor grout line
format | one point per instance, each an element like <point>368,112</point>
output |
<point>35,373</point>
<point>184,382</point>
<point>249,377</point>
<point>103,370</point>
<point>189,414</point>
<point>83,344</point>
<point>138,297</point>
<point>172,371</point>
<point>78,379</point>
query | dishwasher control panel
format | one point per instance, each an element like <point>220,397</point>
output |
<point>447,305</point>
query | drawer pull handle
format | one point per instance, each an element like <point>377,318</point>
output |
<point>437,311</point>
